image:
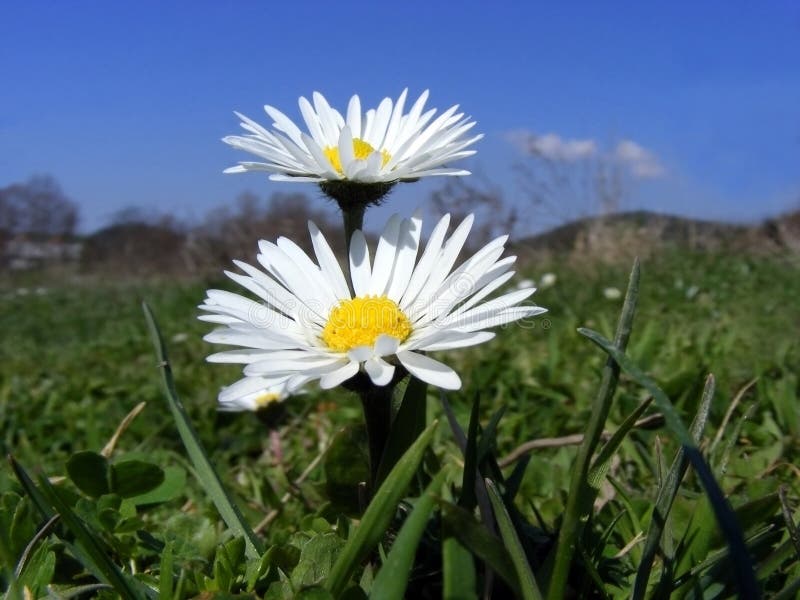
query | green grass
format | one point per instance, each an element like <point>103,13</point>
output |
<point>76,359</point>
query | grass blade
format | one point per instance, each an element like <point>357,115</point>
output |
<point>600,464</point>
<point>667,492</point>
<point>39,501</point>
<point>100,564</point>
<point>671,416</point>
<point>202,465</point>
<point>579,487</point>
<point>742,565</point>
<point>458,571</point>
<point>165,580</point>
<point>740,557</point>
<point>527,582</point>
<point>461,524</point>
<point>468,497</point>
<point>392,579</point>
<point>379,513</point>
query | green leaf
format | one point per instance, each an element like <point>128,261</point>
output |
<point>165,576</point>
<point>527,582</point>
<point>743,570</point>
<point>601,463</point>
<point>790,592</point>
<point>43,505</point>
<point>316,560</point>
<point>169,489</point>
<point>408,424</point>
<point>468,497</point>
<point>740,558</point>
<point>392,579</point>
<point>666,495</point>
<point>579,490</point>
<point>203,468</point>
<point>134,477</point>
<point>36,496</point>
<point>460,524</point>
<point>314,593</point>
<point>38,571</point>
<point>379,513</point>
<point>89,472</point>
<point>458,566</point>
<point>618,356</point>
<point>100,562</point>
<point>488,436</point>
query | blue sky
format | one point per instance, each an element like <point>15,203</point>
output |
<point>125,103</point>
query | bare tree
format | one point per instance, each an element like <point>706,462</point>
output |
<point>481,197</point>
<point>568,179</point>
<point>38,206</point>
<point>233,232</point>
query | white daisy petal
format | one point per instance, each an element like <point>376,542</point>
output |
<point>340,375</point>
<point>384,256</point>
<point>395,120</point>
<point>407,248</point>
<point>328,263</point>
<point>312,122</point>
<point>386,345</point>
<point>426,263</point>
<point>309,328</point>
<point>354,116</point>
<point>429,370</point>
<point>242,357</point>
<point>453,339</point>
<point>360,270</point>
<point>283,123</point>
<point>284,367</point>
<point>360,353</point>
<point>347,158</point>
<point>443,263</point>
<point>379,371</point>
<point>385,145</point>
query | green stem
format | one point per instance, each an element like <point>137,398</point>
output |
<point>353,219</point>
<point>572,526</point>
<point>377,403</point>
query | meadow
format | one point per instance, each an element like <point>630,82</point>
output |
<point>75,359</point>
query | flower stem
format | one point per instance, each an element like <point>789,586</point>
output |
<point>377,404</point>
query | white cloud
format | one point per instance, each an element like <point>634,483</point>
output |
<point>641,163</point>
<point>552,146</point>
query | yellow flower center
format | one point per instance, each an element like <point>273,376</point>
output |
<point>361,150</point>
<point>265,399</point>
<point>359,322</point>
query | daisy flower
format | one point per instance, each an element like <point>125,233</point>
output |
<point>378,148</point>
<point>309,326</point>
<point>254,393</point>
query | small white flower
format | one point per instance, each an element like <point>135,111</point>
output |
<point>380,146</point>
<point>612,293</point>
<point>547,280</point>
<point>310,327</point>
<point>692,291</point>
<point>253,393</point>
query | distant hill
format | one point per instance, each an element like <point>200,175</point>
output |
<point>643,232</point>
